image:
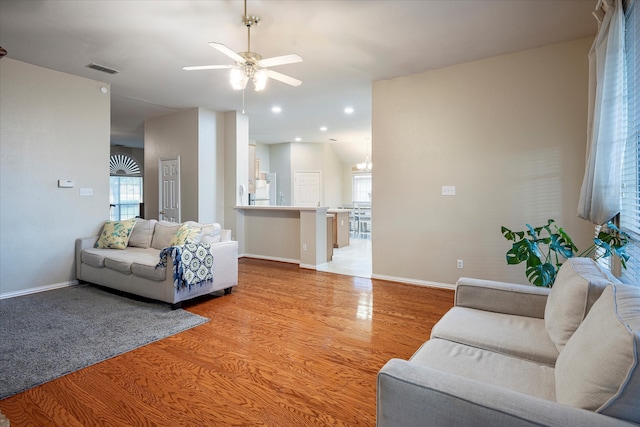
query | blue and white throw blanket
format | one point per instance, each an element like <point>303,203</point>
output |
<point>192,264</point>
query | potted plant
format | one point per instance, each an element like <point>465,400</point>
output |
<point>545,248</point>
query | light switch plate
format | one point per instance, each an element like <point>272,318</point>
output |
<point>448,190</point>
<point>85,192</point>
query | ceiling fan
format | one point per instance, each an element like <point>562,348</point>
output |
<point>251,65</point>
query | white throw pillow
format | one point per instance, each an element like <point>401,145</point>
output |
<point>163,233</point>
<point>579,283</point>
<point>211,233</point>
<point>142,233</point>
<point>598,368</point>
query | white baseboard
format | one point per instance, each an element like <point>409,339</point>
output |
<point>271,258</point>
<point>38,289</point>
<point>373,276</point>
<point>414,281</point>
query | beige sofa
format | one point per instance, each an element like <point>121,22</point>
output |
<point>517,355</point>
<point>135,269</point>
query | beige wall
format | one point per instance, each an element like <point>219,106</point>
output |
<point>236,172</point>
<point>280,163</point>
<point>332,175</point>
<point>52,126</point>
<point>210,166</point>
<point>197,136</point>
<point>509,132</point>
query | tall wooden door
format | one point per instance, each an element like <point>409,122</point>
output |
<point>306,188</point>
<point>169,197</point>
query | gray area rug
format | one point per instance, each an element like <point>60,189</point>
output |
<point>47,335</point>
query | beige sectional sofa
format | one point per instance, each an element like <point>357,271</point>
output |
<point>517,355</point>
<point>135,269</point>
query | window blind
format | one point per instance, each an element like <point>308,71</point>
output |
<point>630,208</point>
<point>361,188</point>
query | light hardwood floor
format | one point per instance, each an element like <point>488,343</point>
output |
<point>289,347</point>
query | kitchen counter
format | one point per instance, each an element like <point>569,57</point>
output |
<point>294,234</point>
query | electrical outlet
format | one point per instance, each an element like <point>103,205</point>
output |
<point>304,246</point>
<point>460,263</point>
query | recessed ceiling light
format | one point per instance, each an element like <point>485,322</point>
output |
<point>323,128</point>
<point>348,110</point>
<point>298,139</point>
<point>276,109</point>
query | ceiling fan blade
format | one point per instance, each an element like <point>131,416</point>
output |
<point>283,78</point>
<point>207,67</point>
<point>230,53</point>
<point>280,60</point>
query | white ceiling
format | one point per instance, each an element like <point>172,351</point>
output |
<point>346,45</point>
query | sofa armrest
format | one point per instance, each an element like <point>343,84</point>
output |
<point>225,262</point>
<point>410,395</point>
<point>501,297</point>
<point>83,243</point>
<point>225,235</point>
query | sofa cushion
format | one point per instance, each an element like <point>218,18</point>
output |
<point>488,367</point>
<point>123,265</point>
<point>115,234</point>
<point>579,283</point>
<point>186,233</point>
<point>147,271</point>
<point>94,257</point>
<point>163,233</point>
<point>121,260</point>
<point>520,336</point>
<point>142,233</point>
<point>598,368</point>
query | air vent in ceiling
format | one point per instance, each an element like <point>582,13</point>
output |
<point>102,68</point>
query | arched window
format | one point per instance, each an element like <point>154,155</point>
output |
<point>121,164</point>
<point>125,193</point>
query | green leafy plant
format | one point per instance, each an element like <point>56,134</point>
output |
<point>545,248</point>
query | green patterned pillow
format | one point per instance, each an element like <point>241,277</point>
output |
<point>115,234</point>
<point>187,233</point>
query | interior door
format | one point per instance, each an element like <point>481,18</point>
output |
<point>306,188</point>
<point>169,197</point>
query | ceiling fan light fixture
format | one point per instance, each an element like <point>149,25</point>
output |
<point>260,78</point>
<point>250,65</point>
<point>238,79</point>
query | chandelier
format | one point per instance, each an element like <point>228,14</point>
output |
<point>366,166</point>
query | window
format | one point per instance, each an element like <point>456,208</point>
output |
<point>125,187</point>
<point>361,191</point>
<point>630,211</point>
<point>125,196</point>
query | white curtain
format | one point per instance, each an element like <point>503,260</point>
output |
<point>600,192</point>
